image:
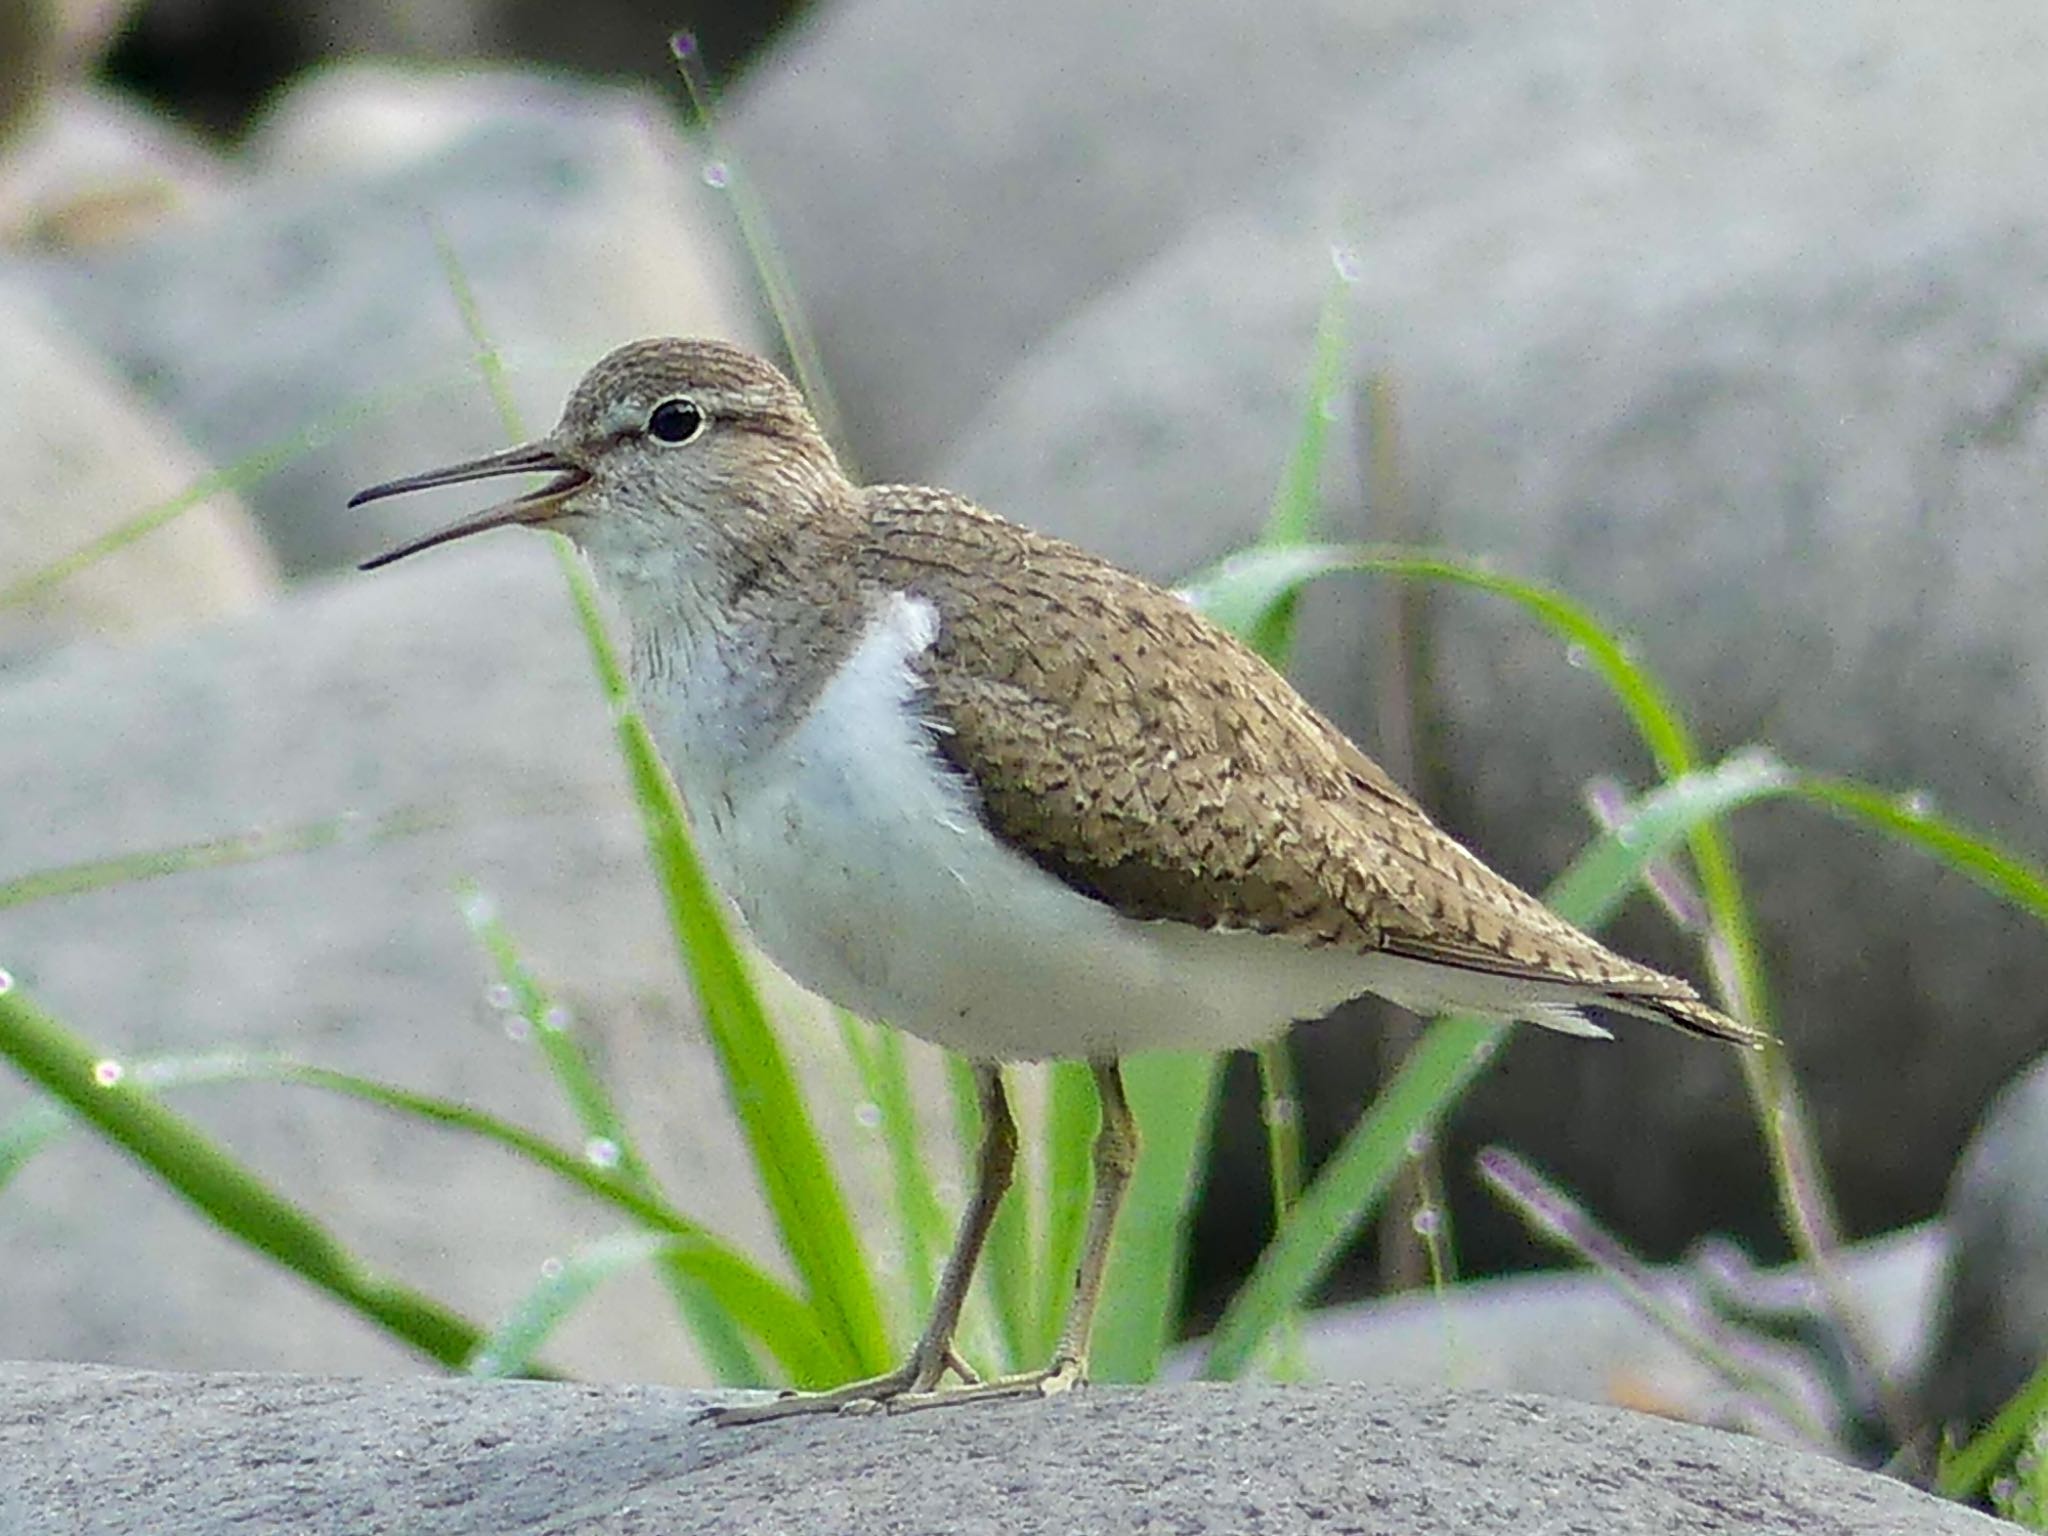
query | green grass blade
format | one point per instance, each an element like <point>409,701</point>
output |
<point>751,215</point>
<point>798,1350</point>
<point>1451,1053</point>
<point>1071,1119</point>
<point>1906,817</point>
<point>802,1192</point>
<point>234,1199</point>
<point>1967,1471</point>
<point>606,1139</point>
<point>215,853</point>
<point>877,1055</point>
<point>566,1284</point>
<point>1174,1099</point>
<point>249,470</point>
<point>1298,499</point>
<point>548,1027</point>
<point>1292,522</point>
<point>40,1123</point>
<point>1239,591</point>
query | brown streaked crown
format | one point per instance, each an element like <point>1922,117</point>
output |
<point>743,386</point>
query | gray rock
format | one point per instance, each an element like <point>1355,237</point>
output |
<point>1081,141</point>
<point>1764,400</point>
<point>1992,1332</point>
<point>1573,1335</point>
<point>97,1451</point>
<point>83,456</point>
<point>457,688</point>
<point>318,302</point>
<point>1077,141</point>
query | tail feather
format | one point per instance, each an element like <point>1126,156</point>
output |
<point>1566,1019</point>
<point>1689,1014</point>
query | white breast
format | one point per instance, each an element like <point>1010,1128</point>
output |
<point>858,860</point>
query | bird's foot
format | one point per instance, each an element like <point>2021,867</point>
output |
<point>910,1388</point>
<point>919,1376</point>
<point>1063,1375</point>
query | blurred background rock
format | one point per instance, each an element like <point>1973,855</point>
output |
<point>1731,321</point>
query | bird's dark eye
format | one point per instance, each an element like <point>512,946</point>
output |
<point>675,421</point>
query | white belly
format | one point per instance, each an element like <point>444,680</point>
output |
<point>852,851</point>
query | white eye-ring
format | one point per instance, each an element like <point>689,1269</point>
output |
<point>676,421</point>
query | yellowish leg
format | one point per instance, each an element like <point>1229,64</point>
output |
<point>1116,1154</point>
<point>921,1373</point>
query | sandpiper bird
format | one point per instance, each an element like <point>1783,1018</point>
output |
<point>977,783</point>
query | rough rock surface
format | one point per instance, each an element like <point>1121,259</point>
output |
<point>95,1452</point>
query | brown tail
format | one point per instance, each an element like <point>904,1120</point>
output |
<point>1690,1015</point>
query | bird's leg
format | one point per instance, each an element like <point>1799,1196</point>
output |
<point>921,1373</point>
<point>1116,1154</point>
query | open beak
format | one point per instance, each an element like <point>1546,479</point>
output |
<point>535,506</point>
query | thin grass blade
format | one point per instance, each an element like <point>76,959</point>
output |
<point>1173,1097</point>
<point>802,1192</point>
<point>566,1284</point>
<point>1910,819</point>
<point>1071,1119</point>
<point>1967,1471</point>
<point>201,1172</point>
<point>606,1139</point>
<point>215,853</point>
<point>1348,1188</point>
<point>44,1121</point>
<point>878,1056</point>
<point>1298,499</point>
<point>249,470</point>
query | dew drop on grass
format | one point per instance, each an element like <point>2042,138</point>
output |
<point>1281,1110</point>
<point>517,1029</point>
<point>1916,802</point>
<point>550,1269</point>
<point>478,909</point>
<point>601,1152</point>
<point>1576,655</point>
<point>556,1019</point>
<point>6,981</point>
<point>108,1072</point>
<point>868,1115</point>
<point>1345,260</point>
<point>1418,1144</point>
<point>499,996</point>
<point>483,1363</point>
<point>717,174</point>
<point>1427,1221</point>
